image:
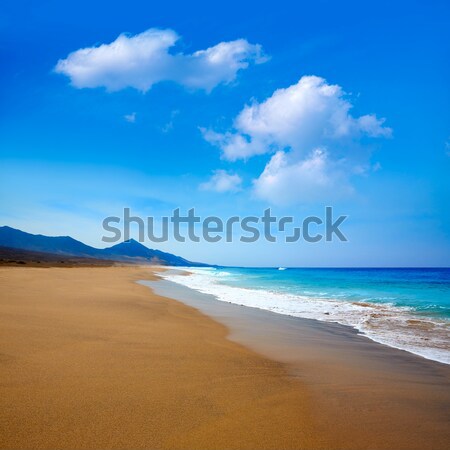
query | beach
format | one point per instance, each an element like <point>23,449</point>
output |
<point>90,358</point>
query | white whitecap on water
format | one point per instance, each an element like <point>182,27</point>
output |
<point>395,326</point>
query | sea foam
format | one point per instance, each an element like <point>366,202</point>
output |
<point>391,325</point>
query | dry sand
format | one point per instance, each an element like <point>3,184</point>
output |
<point>91,359</point>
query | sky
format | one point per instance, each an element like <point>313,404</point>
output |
<point>231,109</point>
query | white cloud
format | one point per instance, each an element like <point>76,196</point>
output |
<point>234,145</point>
<point>285,181</point>
<point>304,116</point>
<point>314,138</point>
<point>143,60</point>
<point>130,117</point>
<point>222,181</point>
<point>169,125</point>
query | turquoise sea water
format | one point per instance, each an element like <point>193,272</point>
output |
<point>403,308</point>
<point>427,291</point>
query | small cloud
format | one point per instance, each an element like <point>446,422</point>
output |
<point>142,60</point>
<point>130,117</point>
<point>169,125</point>
<point>376,167</point>
<point>222,181</point>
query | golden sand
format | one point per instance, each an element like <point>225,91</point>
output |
<point>90,359</point>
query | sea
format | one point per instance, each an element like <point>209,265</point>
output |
<point>408,309</point>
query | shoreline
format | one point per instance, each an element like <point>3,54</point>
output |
<point>92,359</point>
<point>388,390</point>
<point>401,328</point>
<point>184,292</point>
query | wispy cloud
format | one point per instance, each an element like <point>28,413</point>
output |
<point>142,60</point>
<point>169,125</point>
<point>222,181</point>
<point>130,117</point>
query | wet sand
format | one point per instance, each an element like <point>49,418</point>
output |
<point>365,394</point>
<point>91,359</point>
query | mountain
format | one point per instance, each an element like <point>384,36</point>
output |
<point>134,249</point>
<point>129,251</point>
<point>18,257</point>
<point>10,237</point>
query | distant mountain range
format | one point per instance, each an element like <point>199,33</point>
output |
<point>129,251</point>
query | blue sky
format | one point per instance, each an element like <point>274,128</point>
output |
<point>231,109</point>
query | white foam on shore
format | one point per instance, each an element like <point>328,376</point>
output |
<point>397,327</point>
